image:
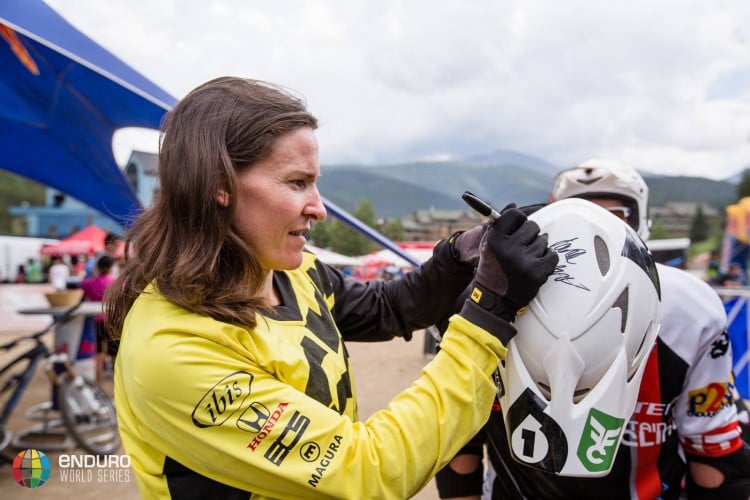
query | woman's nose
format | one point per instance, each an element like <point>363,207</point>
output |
<point>315,208</point>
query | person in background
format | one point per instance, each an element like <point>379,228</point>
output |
<point>685,429</point>
<point>93,290</point>
<point>713,269</point>
<point>736,276</point>
<point>78,266</point>
<point>112,242</point>
<point>232,379</point>
<point>58,274</point>
<point>33,271</point>
<point>77,271</point>
<point>21,274</point>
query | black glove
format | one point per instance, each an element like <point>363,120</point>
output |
<point>514,262</point>
<point>464,245</point>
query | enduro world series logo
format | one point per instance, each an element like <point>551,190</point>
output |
<point>33,468</point>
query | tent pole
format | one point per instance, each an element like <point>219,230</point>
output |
<point>363,228</point>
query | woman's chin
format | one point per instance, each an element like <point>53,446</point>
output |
<point>290,262</point>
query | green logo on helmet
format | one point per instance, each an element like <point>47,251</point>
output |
<point>599,441</point>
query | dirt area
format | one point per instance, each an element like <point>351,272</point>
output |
<point>381,371</point>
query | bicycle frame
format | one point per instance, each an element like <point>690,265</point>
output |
<point>38,353</point>
<point>35,355</point>
<point>86,414</point>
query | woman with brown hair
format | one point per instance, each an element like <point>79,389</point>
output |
<point>232,377</point>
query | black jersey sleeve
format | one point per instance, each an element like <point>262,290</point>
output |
<point>381,310</point>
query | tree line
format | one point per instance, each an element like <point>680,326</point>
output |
<point>16,190</point>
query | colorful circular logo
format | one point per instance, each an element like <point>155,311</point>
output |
<point>31,468</point>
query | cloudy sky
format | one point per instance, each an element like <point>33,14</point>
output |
<point>663,85</point>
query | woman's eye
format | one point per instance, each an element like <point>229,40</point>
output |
<point>299,183</point>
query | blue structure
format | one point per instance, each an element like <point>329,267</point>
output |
<point>62,97</point>
<point>63,215</point>
<point>739,336</point>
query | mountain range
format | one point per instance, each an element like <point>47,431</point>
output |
<point>499,177</point>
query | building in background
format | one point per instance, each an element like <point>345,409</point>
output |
<point>435,224</point>
<point>63,215</point>
<point>676,217</point>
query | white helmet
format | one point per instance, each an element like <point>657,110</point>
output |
<point>570,381</point>
<point>599,177</point>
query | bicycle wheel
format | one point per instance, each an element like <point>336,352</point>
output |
<point>89,415</point>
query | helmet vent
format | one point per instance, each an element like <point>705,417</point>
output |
<point>643,340</point>
<point>578,394</point>
<point>622,303</point>
<point>546,391</point>
<point>602,255</point>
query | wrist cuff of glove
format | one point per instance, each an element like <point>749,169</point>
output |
<point>489,321</point>
<point>452,245</point>
<point>489,300</point>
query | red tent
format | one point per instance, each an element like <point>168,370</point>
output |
<point>87,241</point>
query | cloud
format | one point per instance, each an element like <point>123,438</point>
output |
<point>663,85</point>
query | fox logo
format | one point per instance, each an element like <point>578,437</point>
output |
<point>599,440</point>
<point>603,438</point>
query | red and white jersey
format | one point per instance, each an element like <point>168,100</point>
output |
<point>693,329</point>
<point>685,405</point>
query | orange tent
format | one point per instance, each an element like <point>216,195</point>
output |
<point>87,241</point>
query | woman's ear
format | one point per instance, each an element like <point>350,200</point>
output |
<point>222,198</point>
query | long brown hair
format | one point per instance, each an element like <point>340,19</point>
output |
<point>184,242</point>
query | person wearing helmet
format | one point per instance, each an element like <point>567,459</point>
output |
<point>684,435</point>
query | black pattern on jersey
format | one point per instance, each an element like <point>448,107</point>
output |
<point>289,309</point>
<point>317,384</point>
<point>319,277</point>
<point>320,324</point>
<point>188,484</point>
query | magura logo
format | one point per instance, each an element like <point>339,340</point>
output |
<point>325,462</point>
<point>223,400</point>
<point>709,400</point>
<point>599,440</point>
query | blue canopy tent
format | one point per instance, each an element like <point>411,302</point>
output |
<point>62,96</point>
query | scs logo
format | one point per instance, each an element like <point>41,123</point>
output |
<point>223,400</point>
